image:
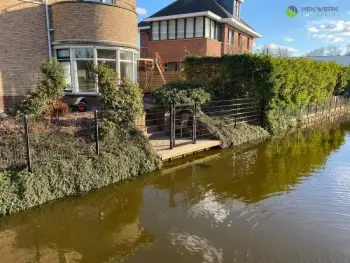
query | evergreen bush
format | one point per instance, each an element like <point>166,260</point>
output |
<point>282,83</point>
<point>183,92</point>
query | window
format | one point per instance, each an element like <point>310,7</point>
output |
<point>163,30</point>
<point>63,56</point>
<point>189,27</point>
<point>173,66</point>
<point>199,24</point>
<point>84,70</point>
<point>237,8</point>
<point>172,29</point>
<point>230,36</point>
<point>80,62</point>
<point>207,27</point>
<point>240,40</point>
<point>217,31</point>
<point>126,65</point>
<point>180,28</point>
<point>155,31</point>
<point>248,42</point>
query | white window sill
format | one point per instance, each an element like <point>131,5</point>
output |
<point>81,93</point>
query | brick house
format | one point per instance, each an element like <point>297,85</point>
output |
<point>203,27</point>
<point>79,33</point>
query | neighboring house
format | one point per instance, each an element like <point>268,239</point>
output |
<point>79,33</point>
<point>203,27</point>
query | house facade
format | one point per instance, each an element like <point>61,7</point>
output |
<point>202,27</point>
<point>79,33</point>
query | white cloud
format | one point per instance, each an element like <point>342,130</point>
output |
<point>313,30</point>
<point>329,31</point>
<point>141,10</point>
<point>288,39</point>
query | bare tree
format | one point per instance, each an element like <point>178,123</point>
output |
<point>325,51</point>
<point>347,52</point>
<point>317,52</point>
<point>277,51</point>
<point>334,51</point>
<point>281,52</point>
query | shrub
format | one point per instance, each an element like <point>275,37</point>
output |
<point>230,135</point>
<point>283,83</point>
<point>51,87</point>
<point>181,92</point>
<point>56,108</point>
<point>121,100</point>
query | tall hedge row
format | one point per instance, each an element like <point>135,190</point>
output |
<point>282,83</point>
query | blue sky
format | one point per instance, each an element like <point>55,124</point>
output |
<point>300,34</point>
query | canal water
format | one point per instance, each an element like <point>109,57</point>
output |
<point>285,200</point>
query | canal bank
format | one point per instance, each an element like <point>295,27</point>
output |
<point>236,206</point>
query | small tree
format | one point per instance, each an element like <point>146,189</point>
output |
<point>49,90</point>
<point>121,100</point>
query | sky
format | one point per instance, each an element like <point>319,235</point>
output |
<point>301,34</point>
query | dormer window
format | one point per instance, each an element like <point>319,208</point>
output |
<point>237,8</point>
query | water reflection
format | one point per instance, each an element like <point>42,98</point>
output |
<point>286,200</point>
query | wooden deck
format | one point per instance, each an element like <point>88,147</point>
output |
<point>183,147</point>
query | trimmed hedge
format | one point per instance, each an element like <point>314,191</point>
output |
<point>283,83</point>
<point>183,92</point>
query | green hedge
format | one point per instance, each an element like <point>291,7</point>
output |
<point>282,83</point>
<point>182,92</point>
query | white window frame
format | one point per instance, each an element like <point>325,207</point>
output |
<point>73,69</point>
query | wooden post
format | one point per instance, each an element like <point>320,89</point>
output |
<point>194,124</point>
<point>97,135</point>
<point>26,137</point>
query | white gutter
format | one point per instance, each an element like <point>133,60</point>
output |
<point>239,25</point>
<point>144,27</point>
<point>206,13</point>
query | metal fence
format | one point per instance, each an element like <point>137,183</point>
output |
<point>180,124</point>
<point>305,111</point>
<point>25,141</point>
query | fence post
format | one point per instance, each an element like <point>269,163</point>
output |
<point>194,124</point>
<point>236,112</point>
<point>26,136</point>
<point>172,126</point>
<point>97,134</point>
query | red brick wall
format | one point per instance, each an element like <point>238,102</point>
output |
<point>175,50</point>
<point>144,41</point>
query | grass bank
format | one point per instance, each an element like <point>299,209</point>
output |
<point>230,135</point>
<point>64,165</point>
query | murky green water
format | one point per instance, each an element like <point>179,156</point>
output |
<point>286,200</point>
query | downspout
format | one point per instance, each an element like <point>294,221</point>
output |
<point>48,28</point>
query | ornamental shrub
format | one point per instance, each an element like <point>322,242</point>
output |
<point>50,88</point>
<point>121,100</point>
<point>282,83</point>
<point>182,92</point>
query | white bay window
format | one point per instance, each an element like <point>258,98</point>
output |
<point>80,63</point>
